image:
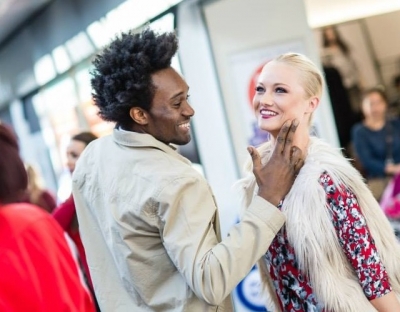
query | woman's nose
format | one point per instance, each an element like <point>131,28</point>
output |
<point>266,99</point>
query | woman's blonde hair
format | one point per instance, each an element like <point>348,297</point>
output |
<point>312,78</point>
<point>35,183</point>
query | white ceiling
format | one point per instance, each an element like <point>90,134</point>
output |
<point>14,12</point>
<point>327,12</point>
<point>320,12</point>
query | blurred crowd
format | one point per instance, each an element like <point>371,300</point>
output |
<point>367,121</point>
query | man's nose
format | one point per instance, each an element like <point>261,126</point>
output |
<point>189,111</point>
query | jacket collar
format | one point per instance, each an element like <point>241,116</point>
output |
<point>143,140</point>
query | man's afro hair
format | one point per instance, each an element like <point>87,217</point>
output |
<point>121,78</point>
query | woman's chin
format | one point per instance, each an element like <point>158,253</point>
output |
<point>271,130</point>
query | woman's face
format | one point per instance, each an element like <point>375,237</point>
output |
<point>74,150</point>
<point>330,34</point>
<point>280,97</point>
<point>374,106</point>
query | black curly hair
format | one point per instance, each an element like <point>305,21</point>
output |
<point>121,78</point>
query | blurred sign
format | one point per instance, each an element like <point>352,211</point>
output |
<point>249,292</point>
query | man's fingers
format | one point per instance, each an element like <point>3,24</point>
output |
<point>287,146</point>
<point>295,154</point>
<point>298,165</point>
<point>255,156</point>
<point>281,139</point>
<point>296,159</point>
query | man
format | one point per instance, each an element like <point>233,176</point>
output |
<point>148,220</point>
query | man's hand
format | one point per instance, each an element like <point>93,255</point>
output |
<point>276,177</point>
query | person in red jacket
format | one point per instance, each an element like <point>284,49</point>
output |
<point>38,269</point>
<point>65,213</point>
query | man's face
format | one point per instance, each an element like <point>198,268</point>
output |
<point>170,112</point>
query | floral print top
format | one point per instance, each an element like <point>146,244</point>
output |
<point>293,290</point>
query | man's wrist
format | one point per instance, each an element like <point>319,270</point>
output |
<point>271,197</point>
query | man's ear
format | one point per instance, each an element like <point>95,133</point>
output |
<point>139,115</point>
<point>313,104</point>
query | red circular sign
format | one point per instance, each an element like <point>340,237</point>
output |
<point>253,83</point>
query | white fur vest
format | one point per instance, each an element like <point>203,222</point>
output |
<point>311,233</point>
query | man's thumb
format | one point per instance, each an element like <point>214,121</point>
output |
<point>254,156</point>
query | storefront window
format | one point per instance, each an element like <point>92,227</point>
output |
<point>55,106</point>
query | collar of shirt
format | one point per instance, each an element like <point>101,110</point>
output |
<point>135,139</point>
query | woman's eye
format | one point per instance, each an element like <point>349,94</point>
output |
<point>259,89</point>
<point>280,90</point>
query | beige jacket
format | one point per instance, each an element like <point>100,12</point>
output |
<point>150,228</point>
<point>311,233</point>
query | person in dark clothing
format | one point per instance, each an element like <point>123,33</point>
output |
<point>345,118</point>
<point>394,105</point>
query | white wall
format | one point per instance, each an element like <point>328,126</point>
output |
<point>384,32</point>
<point>326,12</point>
<point>214,141</point>
<point>244,25</point>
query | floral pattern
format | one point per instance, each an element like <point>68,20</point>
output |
<point>294,292</point>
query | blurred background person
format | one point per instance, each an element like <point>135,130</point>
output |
<point>38,270</point>
<point>65,213</point>
<point>394,106</point>
<point>36,194</point>
<point>336,53</point>
<point>343,114</point>
<point>376,141</point>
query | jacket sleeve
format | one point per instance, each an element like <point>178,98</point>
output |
<point>65,213</point>
<point>189,230</point>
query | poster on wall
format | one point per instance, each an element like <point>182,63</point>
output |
<point>246,66</point>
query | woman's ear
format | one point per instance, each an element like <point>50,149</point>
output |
<point>139,115</point>
<point>313,104</point>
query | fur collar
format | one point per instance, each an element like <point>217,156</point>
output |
<point>308,220</point>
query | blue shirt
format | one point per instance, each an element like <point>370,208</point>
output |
<point>371,148</point>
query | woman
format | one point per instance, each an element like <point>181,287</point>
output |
<point>337,251</point>
<point>38,270</point>
<point>336,53</point>
<point>35,193</point>
<point>376,141</point>
<point>65,214</point>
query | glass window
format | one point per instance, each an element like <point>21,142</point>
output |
<point>96,32</point>
<point>79,47</point>
<point>61,59</point>
<point>55,106</point>
<point>44,70</point>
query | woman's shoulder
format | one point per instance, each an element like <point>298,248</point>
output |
<point>20,216</point>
